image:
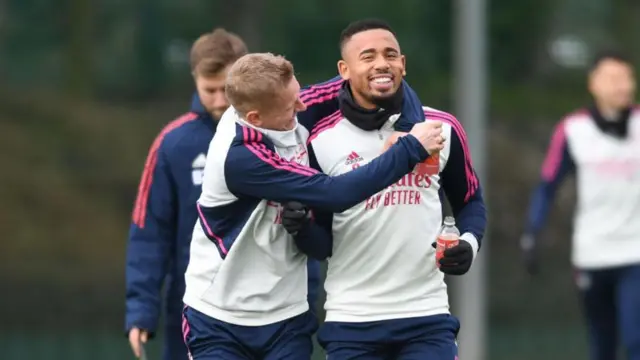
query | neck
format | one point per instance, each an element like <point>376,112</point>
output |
<point>610,113</point>
<point>368,114</point>
<point>362,101</point>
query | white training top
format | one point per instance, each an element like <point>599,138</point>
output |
<point>606,228</point>
<point>383,265</point>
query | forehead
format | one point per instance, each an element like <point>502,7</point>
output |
<point>216,80</point>
<point>377,39</point>
<point>283,98</point>
<point>290,93</point>
<point>610,66</point>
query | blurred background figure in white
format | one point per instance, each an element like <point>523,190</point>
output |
<point>601,146</point>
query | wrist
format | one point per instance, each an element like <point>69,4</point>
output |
<point>304,229</point>
<point>421,153</point>
<point>473,241</point>
<point>143,323</point>
<point>150,334</point>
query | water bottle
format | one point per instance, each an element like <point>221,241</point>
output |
<point>449,237</point>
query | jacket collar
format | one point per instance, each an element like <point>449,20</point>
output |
<point>203,114</point>
<point>618,127</point>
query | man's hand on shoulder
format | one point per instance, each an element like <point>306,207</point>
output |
<point>429,133</point>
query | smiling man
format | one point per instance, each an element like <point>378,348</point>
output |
<point>386,297</point>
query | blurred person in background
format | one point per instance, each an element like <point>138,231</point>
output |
<point>246,293</point>
<point>386,297</point>
<point>601,146</point>
<point>165,211</point>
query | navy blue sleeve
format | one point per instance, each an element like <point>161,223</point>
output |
<point>321,101</point>
<point>252,169</point>
<point>557,165</point>
<point>150,243</point>
<point>316,241</point>
<point>461,184</point>
<point>313,284</point>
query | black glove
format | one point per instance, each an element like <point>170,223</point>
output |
<point>295,216</point>
<point>529,253</point>
<point>456,260</point>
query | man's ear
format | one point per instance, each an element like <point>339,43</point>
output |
<point>343,69</point>
<point>253,118</point>
<point>404,65</point>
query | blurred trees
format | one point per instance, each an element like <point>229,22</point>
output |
<point>138,48</point>
<point>78,30</point>
<point>133,48</point>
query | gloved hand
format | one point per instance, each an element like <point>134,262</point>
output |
<point>456,260</point>
<point>529,252</point>
<point>295,216</point>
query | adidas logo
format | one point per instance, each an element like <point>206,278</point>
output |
<point>353,158</point>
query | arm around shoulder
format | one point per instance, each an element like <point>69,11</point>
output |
<point>254,170</point>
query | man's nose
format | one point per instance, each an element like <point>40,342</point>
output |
<point>382,63</point>
<point>219,100</point>
<point>301,106</point>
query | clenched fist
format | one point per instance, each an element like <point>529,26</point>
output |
<point>429,133</point>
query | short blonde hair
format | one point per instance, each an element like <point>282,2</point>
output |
<point>255,81</point>
<point>215,51</point>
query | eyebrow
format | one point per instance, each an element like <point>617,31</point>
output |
<point>372,50</point>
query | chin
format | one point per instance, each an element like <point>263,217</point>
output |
<point>384,95</point>
<point>289,126</point>
<point>378,96</point>
<point>623,105</point>
<point>216,113</point>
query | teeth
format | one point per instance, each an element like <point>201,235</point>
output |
<point>383,80</point>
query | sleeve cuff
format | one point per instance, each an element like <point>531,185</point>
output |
<point>471,239</point>
<point>147,324</point>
